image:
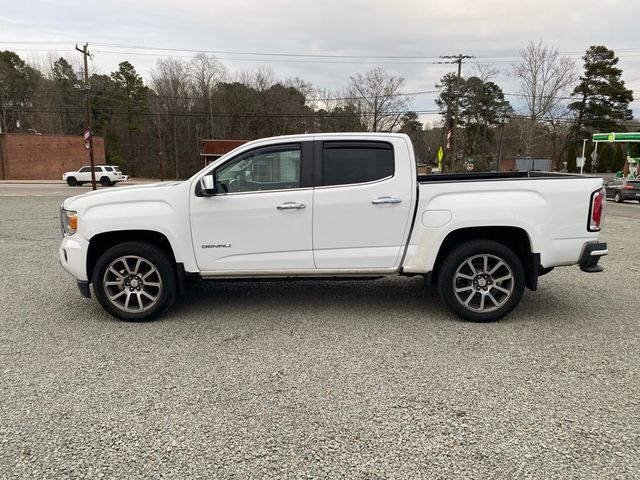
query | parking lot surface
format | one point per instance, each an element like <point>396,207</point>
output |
<point>316,379</point>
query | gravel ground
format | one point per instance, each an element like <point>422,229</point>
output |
<point>315,379</point>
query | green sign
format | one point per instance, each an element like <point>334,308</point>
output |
<point>617,137</point>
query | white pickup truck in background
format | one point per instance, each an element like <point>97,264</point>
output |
<point>327,206</point>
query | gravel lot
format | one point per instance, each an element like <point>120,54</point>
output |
<point>315,379</point>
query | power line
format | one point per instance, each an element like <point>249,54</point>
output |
<point>194,113</point>
<point>269,54</point>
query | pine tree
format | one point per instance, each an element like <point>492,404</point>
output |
<point>604,101</point>
<point>605,159</point>
<point>571,158</point>
<point>131,92</point>
<point>617,163</point>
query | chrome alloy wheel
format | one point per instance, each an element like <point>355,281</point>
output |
<point>483,283</point>
<point>132,283</point>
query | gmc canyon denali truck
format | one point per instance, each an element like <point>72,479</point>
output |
<point>327,206</point>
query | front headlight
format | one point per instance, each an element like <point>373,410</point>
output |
<point>69,220</point>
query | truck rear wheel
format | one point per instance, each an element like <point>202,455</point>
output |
<point>105,182</point>
<point>481,281</point>
<point>135,281</point>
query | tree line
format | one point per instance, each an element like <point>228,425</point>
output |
<point>161,122</point>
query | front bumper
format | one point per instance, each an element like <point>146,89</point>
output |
<point>590,256</point>
<point>73,256</point>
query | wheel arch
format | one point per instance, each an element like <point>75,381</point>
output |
<point>102,242</point>
<point>515,238</point>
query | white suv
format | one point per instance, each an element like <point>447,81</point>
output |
<point>106,175</point>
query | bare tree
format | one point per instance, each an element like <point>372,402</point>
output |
<point>485,71</point>
<point>307,89</point>
<point>206,73</point>
<point>379,99</point>
<point>170,82</point>
<point>545,78</point>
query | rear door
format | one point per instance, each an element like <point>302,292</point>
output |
<point>84,174</point>
<point>363,199</point>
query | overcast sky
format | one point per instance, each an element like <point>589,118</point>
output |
<point>494,31</point>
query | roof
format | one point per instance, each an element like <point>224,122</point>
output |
<point>219,147</point>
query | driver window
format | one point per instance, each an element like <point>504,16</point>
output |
<point>263,169</point>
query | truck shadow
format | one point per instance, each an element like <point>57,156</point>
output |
<point>406,296</point>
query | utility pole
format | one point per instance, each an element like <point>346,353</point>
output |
<point>88,133</point>
<point>456,59</point>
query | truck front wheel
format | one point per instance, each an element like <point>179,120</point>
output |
<point>481,281</point>
<point>134,281</point>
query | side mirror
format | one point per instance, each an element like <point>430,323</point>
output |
<point>208,185</point>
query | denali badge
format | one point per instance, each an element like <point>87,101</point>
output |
<point>220,245</point>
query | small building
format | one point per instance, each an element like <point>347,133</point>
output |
<point>525,164</point>
<point>44,157</point>
<point>211,150</point>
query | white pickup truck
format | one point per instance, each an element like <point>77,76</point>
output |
<point>330,206</point>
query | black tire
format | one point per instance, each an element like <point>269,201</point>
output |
<point>71,181</point>
<point>499,281</point>
<point>105,182</point>
<point>617,197</point>
<point>151,282</point>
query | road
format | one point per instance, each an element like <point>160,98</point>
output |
<point>314,379</point>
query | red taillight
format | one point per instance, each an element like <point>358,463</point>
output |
<point>596,210</point>
<point>629,187</point>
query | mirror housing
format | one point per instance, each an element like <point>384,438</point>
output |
<point>208,185</point>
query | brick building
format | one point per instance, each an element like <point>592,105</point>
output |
<point>44,157</point>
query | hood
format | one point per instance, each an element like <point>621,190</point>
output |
<point>114,194</point>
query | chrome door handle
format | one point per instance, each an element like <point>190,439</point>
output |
<point>291,206</point>
<point>386,200</point>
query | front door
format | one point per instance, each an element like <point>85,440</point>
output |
<point>262,218</point>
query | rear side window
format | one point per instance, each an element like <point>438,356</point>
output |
<point>108,169</point>
<point>346,163</point>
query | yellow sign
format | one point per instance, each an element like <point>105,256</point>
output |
<point>440,154</point>
<point>611,137</point>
